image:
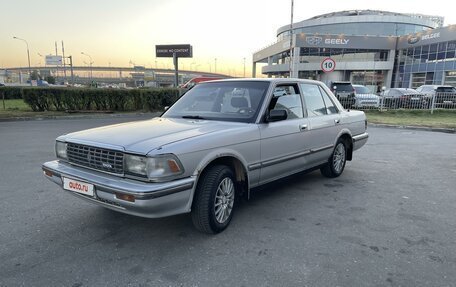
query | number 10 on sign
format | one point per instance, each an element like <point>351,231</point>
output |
<point>328,65</point>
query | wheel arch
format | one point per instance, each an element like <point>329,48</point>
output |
<point>229,158</point>
<point>347,137</point>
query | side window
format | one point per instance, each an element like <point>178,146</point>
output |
<point>286,97</point>
<point>315,105</point>
<point>330,107</point>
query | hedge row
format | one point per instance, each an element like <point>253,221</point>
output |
<point>10,93</point>
<point>63,99</point>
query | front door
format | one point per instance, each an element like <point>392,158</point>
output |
<point>282,146</point>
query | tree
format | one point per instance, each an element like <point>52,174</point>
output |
<point>35,76</point>
<point>50,80</point>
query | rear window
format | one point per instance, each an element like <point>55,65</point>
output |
<point>361,90</point>
<point>342,87</point>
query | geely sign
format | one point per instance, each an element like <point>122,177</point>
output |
<point>413,40</point>
<point>313,40</point>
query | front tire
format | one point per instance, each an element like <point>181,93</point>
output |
<point>212,207</point>
<point>336,163</point>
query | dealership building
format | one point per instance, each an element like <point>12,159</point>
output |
<point>372,48</point>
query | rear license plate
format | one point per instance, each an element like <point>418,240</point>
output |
<point>78,186</point>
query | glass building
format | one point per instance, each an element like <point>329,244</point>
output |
<point>423,60</point>
<point>373,48</point>
<point>363,22</point>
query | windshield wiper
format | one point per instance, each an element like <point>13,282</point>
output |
<point>196,117</point>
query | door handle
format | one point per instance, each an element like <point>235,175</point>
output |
<point>303,127</point>
<point>337,121</point>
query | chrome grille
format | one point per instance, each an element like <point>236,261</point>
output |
<point>97,158</point>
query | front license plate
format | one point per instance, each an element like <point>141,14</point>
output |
<point>78,186</point>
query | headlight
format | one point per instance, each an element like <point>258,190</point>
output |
<point>154,168</point>
<point>61,150</point>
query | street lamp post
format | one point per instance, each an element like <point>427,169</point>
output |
<point>44,58</point>
<point>244,67</point>
<point>215,65</point>
<point>91,62</point>
<point>28,57</point>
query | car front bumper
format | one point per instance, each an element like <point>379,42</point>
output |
<point>151,200</point>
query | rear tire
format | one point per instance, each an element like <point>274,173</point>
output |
<point>212,207</point>
<point>336,163</point>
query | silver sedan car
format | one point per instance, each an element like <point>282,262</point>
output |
<point>215,144</point>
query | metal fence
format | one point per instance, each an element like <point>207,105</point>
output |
<point>414,101</point>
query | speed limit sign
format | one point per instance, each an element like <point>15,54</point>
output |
<point>328,65</point>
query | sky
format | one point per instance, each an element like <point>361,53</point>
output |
<point>124,33</point>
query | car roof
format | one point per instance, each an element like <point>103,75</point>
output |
<point>270,80</point>
<point>437,86</point>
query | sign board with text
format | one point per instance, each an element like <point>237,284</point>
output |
<point>53,60</point>
<point>181,51</point>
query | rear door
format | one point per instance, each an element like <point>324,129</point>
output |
<point>324,122</point>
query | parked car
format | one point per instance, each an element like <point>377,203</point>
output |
<point>445,95</point>
<point>364,98</point>
<point>345,93</point>
<point>404,98</point>
<point>216,143</point>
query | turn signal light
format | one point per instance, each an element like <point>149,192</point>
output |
<point>126,197</point>
<point>173,166</point>
<point>47,172</point>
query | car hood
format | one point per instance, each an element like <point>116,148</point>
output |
<point>145,136</point>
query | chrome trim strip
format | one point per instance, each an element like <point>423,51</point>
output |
<point>153,194</point>
<point>360,137</point>
<point>286,158</point>
<point>322,148</point>
<point>254,166</point>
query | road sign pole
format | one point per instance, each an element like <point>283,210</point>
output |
<point>176,70</point>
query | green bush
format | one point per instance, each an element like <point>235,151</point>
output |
<point>10,93</point>
<point>79,99</point>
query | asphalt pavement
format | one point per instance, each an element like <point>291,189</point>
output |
<point>389,220</point>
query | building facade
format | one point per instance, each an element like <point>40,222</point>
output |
<point>367,47</point>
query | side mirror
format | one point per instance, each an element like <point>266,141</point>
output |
<point>166,108</point>
<point>276,115</point>
<point>383,88</point>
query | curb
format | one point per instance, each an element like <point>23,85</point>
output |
<point>127,115</point>
<point>429,129</point>
<point>79,116</point>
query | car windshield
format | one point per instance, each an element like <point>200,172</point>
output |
<point>361,90</point>
<point>446,90</point>
<point>237,101</point>
<point>408,91</point>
